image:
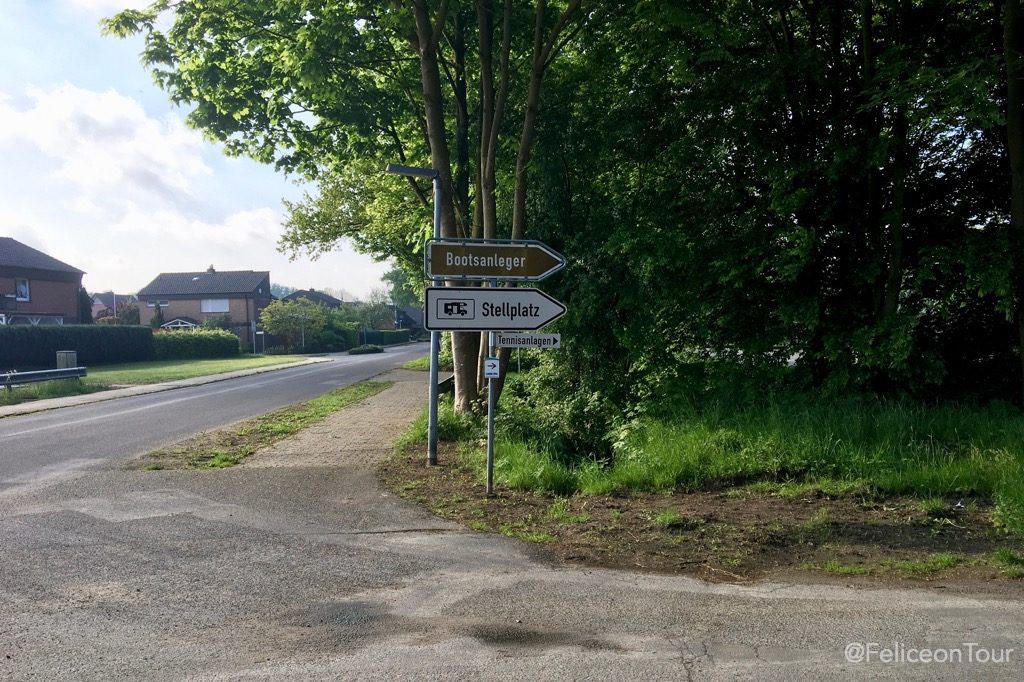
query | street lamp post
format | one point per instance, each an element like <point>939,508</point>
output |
<point>435,337</point>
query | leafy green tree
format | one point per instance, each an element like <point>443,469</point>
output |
<point>84,307</point>
<point>298,322</point>
<point>402,289</point>
<point>157,320</point>
<point>337,90</point>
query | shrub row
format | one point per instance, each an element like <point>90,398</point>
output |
<point>366,349</point>
<point>386,337</point>
<point>195,344</point>
<point>26,347</point>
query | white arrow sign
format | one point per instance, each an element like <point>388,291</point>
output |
<point>492,368</point>
<point>522,340</point>
<point>488,309</point>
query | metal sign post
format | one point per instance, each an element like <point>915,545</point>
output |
<point>435,336</point>
<point>492,406</point>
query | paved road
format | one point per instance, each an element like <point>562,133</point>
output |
<point>50,444</point>
<point>297,566</point>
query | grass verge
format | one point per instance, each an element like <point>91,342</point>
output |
<point>732,529</point>
<point>159,371</point>
<point>60,388</point>
<point>227,447</point>
<point>419,364</point>
<point>794,448</point>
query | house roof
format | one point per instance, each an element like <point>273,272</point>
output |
<point>316,297</point>
<point>413,313</point>
<point>17,255</point>
<point>206,283</point>
<point>106,298</point>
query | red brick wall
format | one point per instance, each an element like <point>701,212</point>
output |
<point>47,298</point>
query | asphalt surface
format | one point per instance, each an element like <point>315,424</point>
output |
<point>53,443</point>
<point>312,572</point>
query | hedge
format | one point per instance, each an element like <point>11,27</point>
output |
<point>366,349</point>
<point>195,345</point>
<point>385,337</point>
<point>25,347</point>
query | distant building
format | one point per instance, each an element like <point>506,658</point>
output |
<point>105,304</point>
<point>408,317</point>
<point>187,299</point>
<point>36,288</point>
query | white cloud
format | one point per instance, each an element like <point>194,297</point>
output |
<point>92,179</point>
<point>104,145</point>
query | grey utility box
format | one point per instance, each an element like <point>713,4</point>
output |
<point>67,359</point>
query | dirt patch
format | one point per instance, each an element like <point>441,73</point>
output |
<point>733,535</point>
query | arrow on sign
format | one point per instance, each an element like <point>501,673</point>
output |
<point>507,259</point>
<point>479,309</point>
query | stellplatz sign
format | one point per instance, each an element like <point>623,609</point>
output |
<point>488,309</point>
<point>521,260</point>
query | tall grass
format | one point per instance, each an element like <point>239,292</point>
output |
<point>896,447</point>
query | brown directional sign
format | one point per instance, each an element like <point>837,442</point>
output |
<point>509,259</point>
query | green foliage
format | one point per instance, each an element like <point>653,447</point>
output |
<point>405,289</point>
<point>28,347</point>
<point>299,322</point>
<point>746,191</point>
<point>195,344</point>
<point>366,349</point>
<point>786,208</point>
<point>218,322</point>
<point>157,320</point>
<point>84,307</point>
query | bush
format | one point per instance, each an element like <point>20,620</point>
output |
<point>386,337</point>
<point>365,349</point>
<point>347,332</point>
<point>24,347</point>
<point>195,345</point>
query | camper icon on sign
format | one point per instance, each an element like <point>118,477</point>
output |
<point>455,309</point>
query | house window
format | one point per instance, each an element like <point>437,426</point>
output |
<point>153,304</point>
<point>214,305</point>
<point>21,290</point>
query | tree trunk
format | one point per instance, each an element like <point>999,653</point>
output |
<point>1013,47</point>
<point>428,35</point>
<point>894,243</point>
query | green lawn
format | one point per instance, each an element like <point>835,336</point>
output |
<point>170,370</point>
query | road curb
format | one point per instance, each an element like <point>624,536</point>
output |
<point>113,394</point>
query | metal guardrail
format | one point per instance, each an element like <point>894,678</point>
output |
<point>10,379</point>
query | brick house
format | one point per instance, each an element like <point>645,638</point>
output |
<point>187,299</point>
<point>36,288</point>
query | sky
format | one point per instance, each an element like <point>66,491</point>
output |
<point>98,169</point>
